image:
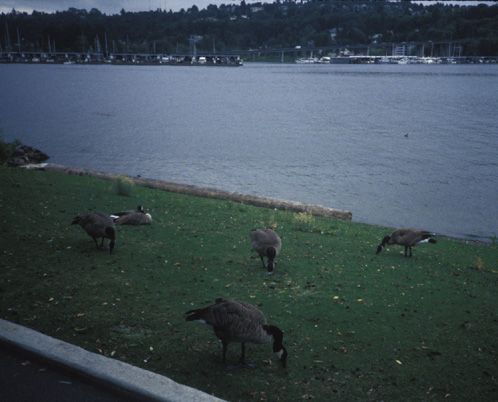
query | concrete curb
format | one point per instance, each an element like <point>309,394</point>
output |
<point>265,202</point>
<point>115,374</point>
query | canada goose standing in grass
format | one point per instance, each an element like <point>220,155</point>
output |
<point>98,225</point>
<point>268,244</point>
<point>406,237</point>
<point>234,321</point>
<point>137,218</point>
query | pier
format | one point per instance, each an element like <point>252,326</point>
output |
<point>393,53</point>
<point>180,59</point>
<point>375,52</point>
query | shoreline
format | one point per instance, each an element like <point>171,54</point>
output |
<point>206,192</point>
<point>213,193</point>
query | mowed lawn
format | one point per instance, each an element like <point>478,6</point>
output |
<point>357,326</point>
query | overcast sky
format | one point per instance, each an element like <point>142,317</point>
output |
<point>115,6</point>
<point>109,6</point>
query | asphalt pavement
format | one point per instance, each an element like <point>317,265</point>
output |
<point>36,368</point>
<point>24,378</point>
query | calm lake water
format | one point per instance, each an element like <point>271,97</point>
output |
<point>397,145</point>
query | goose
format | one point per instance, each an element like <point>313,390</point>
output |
<point>267,243</point>
<point>235,321</point>
<point>137,218</point>
<point>98,225</point>
<point>139,209</point>
<point>406,237</point>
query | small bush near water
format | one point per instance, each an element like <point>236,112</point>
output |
<point>358,326</point>
<point>124,186</point>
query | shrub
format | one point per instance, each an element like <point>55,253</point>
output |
<point>123,186</point>
<point>304,221</point>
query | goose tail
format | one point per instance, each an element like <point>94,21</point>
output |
<point>194,315</point>
<point>76,220</point>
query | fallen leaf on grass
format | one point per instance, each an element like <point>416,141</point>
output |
<point>399,362</point>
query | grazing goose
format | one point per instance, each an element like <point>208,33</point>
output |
<point>98,225</point>
<point>139,209</point>
<point>234,321</point>
<point>137,218</point>
<point>406,237</point>
<point>267,243</point>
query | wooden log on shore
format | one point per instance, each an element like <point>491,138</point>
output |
<point>254,200</point>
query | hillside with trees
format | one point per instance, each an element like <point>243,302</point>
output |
<point>283,24</point>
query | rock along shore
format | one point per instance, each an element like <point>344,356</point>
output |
<point>265,202</point>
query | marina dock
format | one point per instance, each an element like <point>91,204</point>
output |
<point>230,60</point>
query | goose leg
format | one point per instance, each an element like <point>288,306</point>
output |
<point>410,247</point>
<point>263,261</point>
<point>101,247</point>
<point>243,358</point>
<point>227,366</point>
<point>96,242</point>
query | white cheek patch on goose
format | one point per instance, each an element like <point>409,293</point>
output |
<point>423,241</point>
<point>279,353</point>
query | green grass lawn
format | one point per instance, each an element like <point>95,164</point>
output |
<point>358,326</point>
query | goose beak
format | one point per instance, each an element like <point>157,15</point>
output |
<point>270,267</point>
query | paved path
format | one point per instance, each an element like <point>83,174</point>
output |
<point>108,374</point>
<point>24,379</point>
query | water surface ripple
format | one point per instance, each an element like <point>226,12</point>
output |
<point>397,145</point>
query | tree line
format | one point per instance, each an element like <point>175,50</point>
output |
<point>282,24</point>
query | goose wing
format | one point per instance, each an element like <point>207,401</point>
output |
<point>232,321</point>
<point>95,224</point>
<point>136,218</point>
<point>261,239</point>
<point>239,322</point>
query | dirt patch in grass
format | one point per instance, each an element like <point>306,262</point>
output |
<point>358,326</point>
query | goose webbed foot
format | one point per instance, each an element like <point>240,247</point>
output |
<point>230,366</point>
<point>247,365</point>
<point>243,362</point>
<point>100,247</point>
